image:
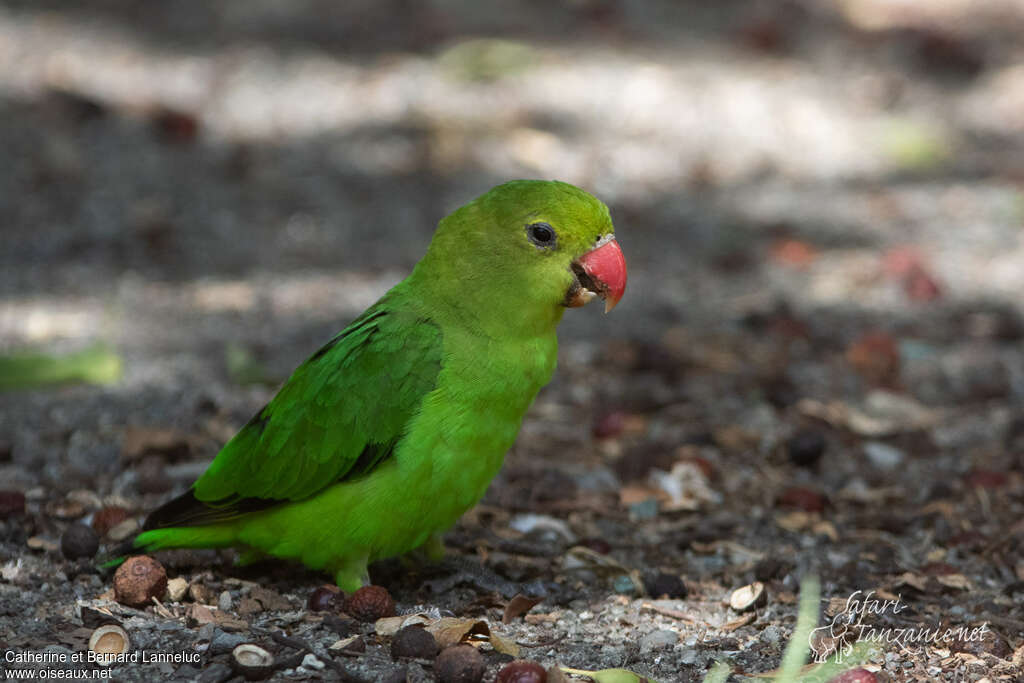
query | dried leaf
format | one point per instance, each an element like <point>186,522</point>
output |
<point>450,631</point>
<point>913,580</point>
<point>389,626</point>
<point>518,606</point>
<point>958,581</point>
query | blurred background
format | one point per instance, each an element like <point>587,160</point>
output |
<point>816,198</point>
<point>821,204</point>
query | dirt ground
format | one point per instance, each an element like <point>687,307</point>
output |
<point>817,368</point>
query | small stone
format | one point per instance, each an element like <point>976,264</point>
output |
<point>749,597</point>
<point>224,601</point>
<point>79,541</point>
<point>324,598</point>
<point>656,640</point>
<point>176,589</point>
<point>414,641</point>
<point>395,676</point>
<point>522,671</point>
<point>806,447</point>
<point>139,580</point>
<point>460,664</point>
<point>770,634</point>
<point>370,603</point>
<point>883,456</point>
<point>311,663</point>
<point>216,672</point>
<point>224,642</point>
<point>624,585</point>
<point>665,584</point>
<point>107,518</point>
<point>12,503</point>
<point>342,626</point>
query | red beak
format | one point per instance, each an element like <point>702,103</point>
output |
<point>606,267</point>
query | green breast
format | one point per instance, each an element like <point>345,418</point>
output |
<point>471,420</point>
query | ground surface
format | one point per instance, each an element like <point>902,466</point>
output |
<point>818,365</point>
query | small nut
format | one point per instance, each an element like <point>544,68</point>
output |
<point>858,675</point>
<point>324,598</point>
<point>522,671</point>
<point>663,583</point>
<point>109,641</point>
<point>370,603</point>
<point>460,664</point>
<point>806,447</point>
<point>414,641</point>
<point>748,597</point>
<point>252,662</point>
<point>12,503</point>
<point>79,541</point>
<point>802,498</point>
<point>139,580</point>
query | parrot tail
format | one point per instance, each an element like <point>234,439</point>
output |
<point>212,536</point>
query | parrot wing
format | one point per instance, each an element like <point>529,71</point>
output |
<point>338,416</point>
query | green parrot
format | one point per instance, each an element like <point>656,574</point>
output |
<point>380,440</point>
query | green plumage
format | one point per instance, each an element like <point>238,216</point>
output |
<point>386,435</point>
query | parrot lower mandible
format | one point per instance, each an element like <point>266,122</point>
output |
<point>380,440</point>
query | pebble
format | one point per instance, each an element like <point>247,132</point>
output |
<point>656,640</point>
<point>311,663</point>
<point>224,642</point>
<point>882,455</point>
<point>224,601</point>
<point>79,541</point>
<point>217,672</point>
<point>771,634</point>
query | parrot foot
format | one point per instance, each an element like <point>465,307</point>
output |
<point>250,556</point>
<point>352,575</point>
<point>430,551</point>
<point>434,548</point>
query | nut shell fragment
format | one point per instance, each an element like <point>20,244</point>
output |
<point>109,641</point>
<point>252,662</point>
<point>748,597</point>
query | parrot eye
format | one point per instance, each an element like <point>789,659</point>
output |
<point>541,234</point>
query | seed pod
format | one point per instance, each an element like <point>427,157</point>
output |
<point>139,580</point>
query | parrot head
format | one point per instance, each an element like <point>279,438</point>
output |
<point>546,245</point>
